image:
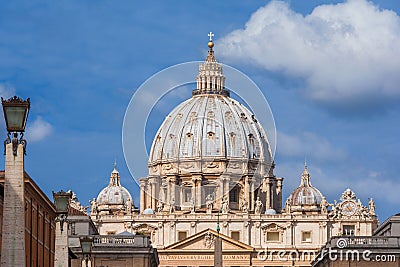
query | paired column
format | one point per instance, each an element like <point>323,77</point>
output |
<point>196,179</point>
<point>268,194</point>
<point>153,181</point>
<point>142,182</point>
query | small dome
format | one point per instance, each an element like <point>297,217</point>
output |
<point>114,193</point>
<point>270,211</point>
<point>148,211</point>
<point>305,194</point>
<point>125,233</point>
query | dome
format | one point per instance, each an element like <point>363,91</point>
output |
<point>228,131</point>
<point>148,211</point>
<point>305,194</point>
<point>209,127</point>
<point>114,193</point>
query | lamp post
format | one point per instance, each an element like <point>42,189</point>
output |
<point>61,201</point>
<point>13,233</point>
<point>218,245</point>
<point>86,246</point>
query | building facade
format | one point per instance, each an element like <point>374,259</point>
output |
<point>118,250</point>
<point>40,217</point>
<point>381,249</point>
<point>211,162</point>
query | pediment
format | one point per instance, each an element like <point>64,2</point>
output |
<point>205,240</point>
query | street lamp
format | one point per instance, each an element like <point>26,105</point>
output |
<point>13,247</point>
<point>16,112</point>
<point>61,201</point>
<point>86,246</point>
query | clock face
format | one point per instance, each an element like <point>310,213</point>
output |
<point>348,208</point>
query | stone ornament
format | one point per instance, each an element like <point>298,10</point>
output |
<point>128,206</point>
<point>209,203</point>
<point>209,240</point>
<point>160,206</point>
<point>225,205</point>
<point>350,206</point>
<point>244,206</point>
<point>324,206</point>
<point>259,206</point>
<point>172,206</point>
<point>93,207</point>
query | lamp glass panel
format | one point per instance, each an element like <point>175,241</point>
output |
<point>15,118</point>
<point>86,246</point>
<point>62,203</point>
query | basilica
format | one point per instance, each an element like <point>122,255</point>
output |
<point>211,172</point>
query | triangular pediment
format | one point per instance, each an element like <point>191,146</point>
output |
<point>205,240</point>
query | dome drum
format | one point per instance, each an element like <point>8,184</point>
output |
<point>215,167</point>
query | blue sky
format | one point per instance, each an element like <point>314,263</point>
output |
<point>329,70</point>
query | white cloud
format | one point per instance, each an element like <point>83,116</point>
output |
<point>307,144</point>
<point>370,187</point>
<point>38,130</point>
<point>6,91</point>
<point>348,52</point>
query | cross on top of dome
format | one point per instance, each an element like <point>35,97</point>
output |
<point>211,35</point>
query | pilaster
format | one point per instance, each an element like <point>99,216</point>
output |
<point>61,246</point>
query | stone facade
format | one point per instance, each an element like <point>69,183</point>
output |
<point>210,163</point>
<point>305,231</point>
<point>354,251</point>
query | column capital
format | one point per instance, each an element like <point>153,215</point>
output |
<point>142,182</point>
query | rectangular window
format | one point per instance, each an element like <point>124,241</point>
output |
<point>306,237</point>
<point>182,235</point>
<point>273,237</point>
<point>234,195</point>
<point>72,228</point>
<point>187,194</point>
<point>348,230</point>
<point>235,235</point>
<point>208,190</point>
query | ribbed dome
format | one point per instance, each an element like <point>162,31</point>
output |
<point>114,193</point>
<point>305,194</point>
<point>210,130</point>
<point>208,127</point>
